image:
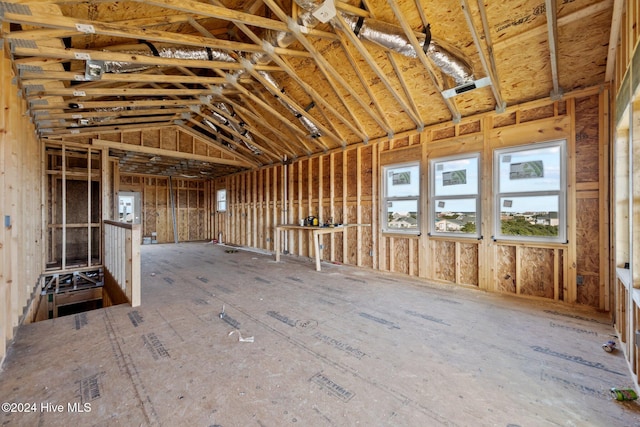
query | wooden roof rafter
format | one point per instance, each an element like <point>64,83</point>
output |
<point>246,158</point>
<point>87,105</point>
<point>247,140</point>
<point>285,66</point>
<point>273,146</point>
<point>260,109</point>
<point>355,41</point>
<point>552,29</point>
<point>127,31</point>
<point>250,112</point>
<point>295,106</point>
<point>488,68</point>
<point>299,133</point>
<point>324,66</point>
<point>110,128</point>
<point>103,113</point>
<point>360,75</point>
<point>396,68</point>
<point>220,95</point>
<point>409,32</point>
<point>108,121</point>
<point>238,141</point>
<point>320,100</point>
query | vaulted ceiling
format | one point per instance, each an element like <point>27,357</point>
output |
<point>267,80</point>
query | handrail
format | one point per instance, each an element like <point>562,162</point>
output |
<point>122,262</point>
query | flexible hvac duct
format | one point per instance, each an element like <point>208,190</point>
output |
<point>384,34</point>
<point>163,51</point>
<point>308,124</point>
<point>238,127</point>
<point>392,37</point>
<point>278,38</point>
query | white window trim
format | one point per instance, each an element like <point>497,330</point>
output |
<point>561,193</point>
<point>384,199</point>
<point>433,198</point>
<point>218,201</point>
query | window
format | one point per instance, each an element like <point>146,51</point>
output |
<point>221,200</point>
<point>531,198</point>
<point>401,198</point>
<point>455,196</point>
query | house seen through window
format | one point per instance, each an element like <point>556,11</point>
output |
<point>401,198</point>
<point>531,192</point>
<point>455,197</point>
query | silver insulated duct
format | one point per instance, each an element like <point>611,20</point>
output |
<point>386,35</point>
<point>275,38</point>
<point>392,37</point>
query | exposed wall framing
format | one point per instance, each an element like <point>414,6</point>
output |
<point>73,233</point>
<point>192,207</point>
<point>345,185</point>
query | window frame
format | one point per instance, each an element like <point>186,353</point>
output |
<point>433,198</point>
<point>219,201</point>
<point>561,193</point>
<point>385,199</point>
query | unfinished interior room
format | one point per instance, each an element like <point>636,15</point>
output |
<point>320,213</point>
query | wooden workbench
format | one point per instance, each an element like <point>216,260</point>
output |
<point>317,231</point>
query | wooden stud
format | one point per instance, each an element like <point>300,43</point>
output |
<point>358,206</point>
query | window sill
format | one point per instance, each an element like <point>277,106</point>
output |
<point>402,235</point>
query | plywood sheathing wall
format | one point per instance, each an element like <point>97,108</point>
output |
<point>344,185</point>
<point>191,207</point>
<point>21,253</point>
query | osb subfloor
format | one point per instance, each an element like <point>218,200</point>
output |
<point>340,347</point>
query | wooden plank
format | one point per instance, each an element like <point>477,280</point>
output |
<point>359,206</point>
<point>345,192</point>
<point>604,149</point>
<point>64,208</point>
<point>161,152</point>
<point>571,261</point>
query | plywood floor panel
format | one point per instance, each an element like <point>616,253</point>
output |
<point>340,347</point>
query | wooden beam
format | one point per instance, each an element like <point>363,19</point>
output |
<point>367,88</point>
<point>276,57</point>
<point>552,30</point>
<point>614,35</point>
<point>45,133</point>
<point>127,31</point>
<point>251,161</point>
<point>488,69</point>
<point>204,9</point>
<point>142,77</point>
<point>323,65</point>
<point>355,41</point>
<point>67,125</point>
<point>163,152</point>
<point>108,114</point>
<point>113,104</point>
<point>36,54</point>
<point>410,34</point>
<point>272,144</point>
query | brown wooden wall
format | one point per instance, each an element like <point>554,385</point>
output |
<point>345,185</point>
<point>191,199</point>
<point>21,235</point>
